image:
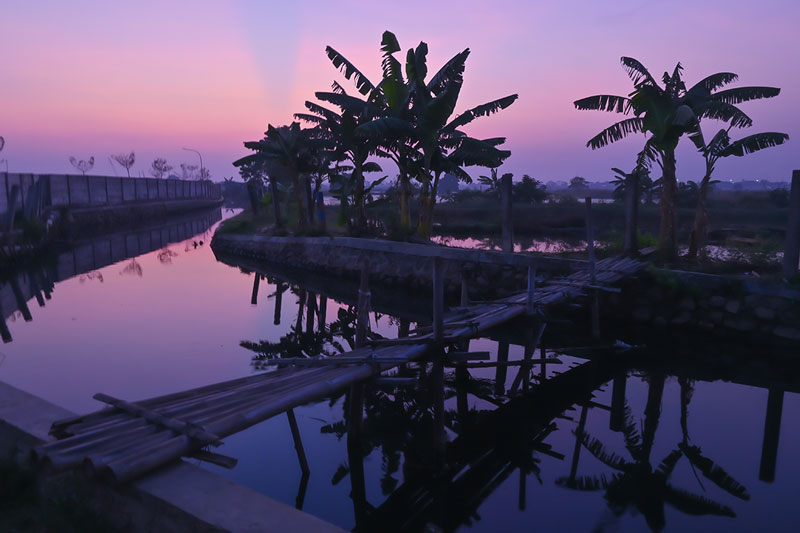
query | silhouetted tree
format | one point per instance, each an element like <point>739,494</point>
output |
<point>414,125</point>
<point>126,161</point>
<point>492,182</point>
<point>292,150</point>
<point>622,179</point>
<point>83,165</point>
<point>721,146</point>
<point>529,190</point>
<point>667,113</point>
<point>578,184</point>
<point>159,167</point>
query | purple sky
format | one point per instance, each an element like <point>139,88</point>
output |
<point>96,78</point>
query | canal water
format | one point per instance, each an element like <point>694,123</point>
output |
<point>611,449</point>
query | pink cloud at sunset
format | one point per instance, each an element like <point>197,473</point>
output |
<point>94,78</point>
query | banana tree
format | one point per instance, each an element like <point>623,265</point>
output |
<point>340,130</point>
<point>290,150</point>
<point>668,113</point>
<point>392,100</point>
<point>465,152</point>
<point>414,125</point>
<point>721,146</point>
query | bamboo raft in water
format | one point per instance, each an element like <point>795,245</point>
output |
<point>127,440</point>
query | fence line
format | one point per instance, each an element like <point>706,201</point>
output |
<point>69,190</point>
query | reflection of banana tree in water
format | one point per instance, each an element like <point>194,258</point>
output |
<point>706,466</point>
<point>337,337</point>
<point>636,484</point>
<point>400,424</point>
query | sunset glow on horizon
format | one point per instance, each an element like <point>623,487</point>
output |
<point>97,78</point>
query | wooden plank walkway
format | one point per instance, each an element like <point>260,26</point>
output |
<point>127,440</point>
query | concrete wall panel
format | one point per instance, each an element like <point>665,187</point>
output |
<point>78,190</point>
<point>97,190</point>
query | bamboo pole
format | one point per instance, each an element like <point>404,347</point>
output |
<point>630,244</point>
<point>254,296</point>
<point>772,429</point>
<point>508,219</point>
<point>438,299</point>
<point>298,443</point>
<point>464,288</point>
<point>531,292</point>
<point>617,418</point>
<point>279,288</point>
<point>364,295</point>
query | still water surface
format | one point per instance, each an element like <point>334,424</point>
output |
<point>173,319</point>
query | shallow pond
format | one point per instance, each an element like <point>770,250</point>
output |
<point>173,318</point>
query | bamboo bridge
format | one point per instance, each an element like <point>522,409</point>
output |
<point>129,439</point>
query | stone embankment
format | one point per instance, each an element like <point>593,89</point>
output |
<point>393,264</point>
<point>659,298</point>
<point>674,299</point>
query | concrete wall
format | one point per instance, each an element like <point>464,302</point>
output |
<point>62,190</point>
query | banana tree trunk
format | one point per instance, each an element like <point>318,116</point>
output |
<point>430,204</point>
<point>309,201</point>
<point>667,242</point>
<point>360,200</point>
<point>276,203</point>
<point>302,217</point>
<point>405,213</point>
<point>697,240</point>
<point>424,227</point>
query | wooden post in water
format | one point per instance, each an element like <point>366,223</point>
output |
<point>576,453</point>
<point>301,301</point>
<point>5,333</point>
<point>592,261</point>
<point>438,298</point>
<point>617,418</point>
<point>22,305</point>
<point>529,304</point>
<point>322,315</point>
<point>364,295</point>
<point>437,383</point>
<point>279,288</point>
<point>355,456</point>
<point>311,310</point>
<point>772,430</point>
<point>630,244</point>
<point>256,281</point>
<point>462,405</point>
<point>464,288</point>
<point>502,369</point>
<point>508,219</point>
<point>298,443</point>
<point>791,254</point>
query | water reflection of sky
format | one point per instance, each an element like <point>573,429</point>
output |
<point>178,325</point>
<point>544,245</point>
